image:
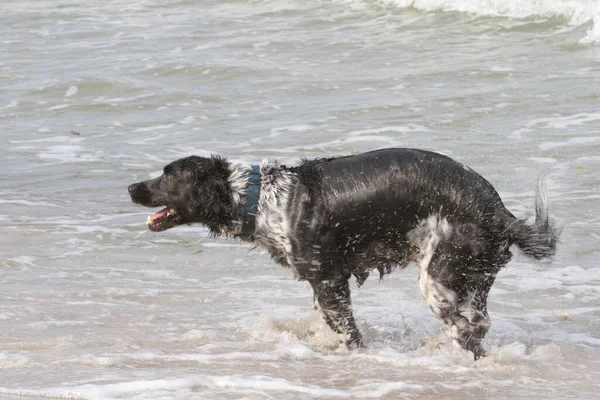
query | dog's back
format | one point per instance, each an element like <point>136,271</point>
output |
<point>396,188</point>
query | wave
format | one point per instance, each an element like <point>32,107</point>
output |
<point>576,12</point>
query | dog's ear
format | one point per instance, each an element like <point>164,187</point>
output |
<point>219,181</point>
<point>220,199</point>
<point>213,192</point>
<point>203,168</point>
<point>219,166</point>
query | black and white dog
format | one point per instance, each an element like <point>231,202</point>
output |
<point>331,218</point>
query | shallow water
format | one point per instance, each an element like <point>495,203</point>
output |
<point>95,97</point>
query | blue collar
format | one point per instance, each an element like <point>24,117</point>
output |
<point>251,206</point>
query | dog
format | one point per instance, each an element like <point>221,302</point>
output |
<point>332,218</point>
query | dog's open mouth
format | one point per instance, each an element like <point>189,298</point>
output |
<point>162,220</point>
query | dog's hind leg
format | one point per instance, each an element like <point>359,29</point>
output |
<point>467,327</point>
<point>332,299</point>
<point>476,322</point>
<point>454,281</point>
<point>467,320</point>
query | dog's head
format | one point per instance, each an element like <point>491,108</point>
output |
<point>192,190</point>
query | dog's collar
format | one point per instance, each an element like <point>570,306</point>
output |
<point>251,206</point>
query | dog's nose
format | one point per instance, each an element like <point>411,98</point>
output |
<point>133,188</point>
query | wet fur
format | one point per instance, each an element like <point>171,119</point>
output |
<point>329,219</point>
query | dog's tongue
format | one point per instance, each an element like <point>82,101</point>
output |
<point>158,215</point>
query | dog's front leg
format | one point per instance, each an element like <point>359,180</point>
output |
<point>332,299</point>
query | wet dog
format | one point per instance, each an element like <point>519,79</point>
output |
<point>333,218</point>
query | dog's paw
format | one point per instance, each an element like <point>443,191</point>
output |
<point>355,341</point>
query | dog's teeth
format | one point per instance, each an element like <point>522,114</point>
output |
<point>149,220</point>
<point>171,211</point>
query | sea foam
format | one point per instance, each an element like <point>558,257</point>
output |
<point>577,12</point>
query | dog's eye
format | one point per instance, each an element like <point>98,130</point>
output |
<point>168,178</point>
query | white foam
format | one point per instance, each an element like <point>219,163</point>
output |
<point>58,107</point>
<point>67,154</point>
<point>154,128</point>
<point>584,338</point>
<point>390,129</point>
<point>295,350</point>
<point>195,335</point>
<point>28,203</point>
<point>261,382</point>
<point>12,104</point>
<point>113,100</point>
<point>577,12</point>
<point>543,160</point>
<point>275,132</point>
<point>96,228</point>
<point>52,139</point>
<point>187,120</point>
<point>12,361</point>
<point>565,121</point>
<point>593,34</point>
<point>309,328</point>
<point>72,91</point>
<point>39,394</point>
<point>571,142</point>
<point>498,68</point>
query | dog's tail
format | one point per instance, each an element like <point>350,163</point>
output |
<point>537,240</point>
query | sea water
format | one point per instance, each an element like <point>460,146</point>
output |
<point>97,95</point>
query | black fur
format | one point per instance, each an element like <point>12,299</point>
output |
<point>333,218</point>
